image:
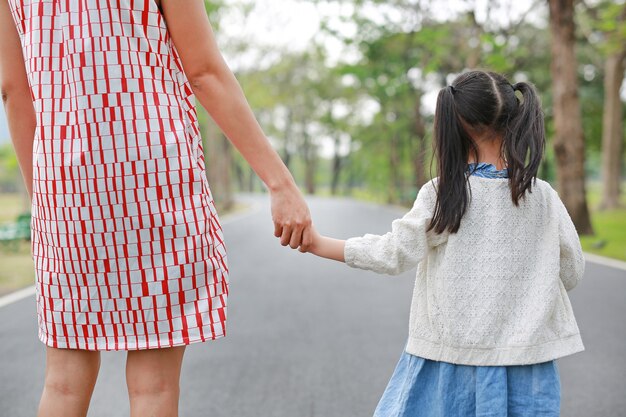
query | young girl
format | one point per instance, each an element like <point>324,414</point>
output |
<point>496,253</point>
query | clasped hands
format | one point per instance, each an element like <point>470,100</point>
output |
<point>292,219</point>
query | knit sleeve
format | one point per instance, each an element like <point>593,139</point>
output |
<point>572,259</point>
<point>404,246</point>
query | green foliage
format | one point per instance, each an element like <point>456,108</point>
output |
<point>214,9</point>
<point>394,62</point>
<point>611,18</point>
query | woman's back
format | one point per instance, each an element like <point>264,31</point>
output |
<point>101,69</point>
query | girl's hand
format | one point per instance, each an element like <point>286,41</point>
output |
<point>291,216</point>
<point>316,242</point>
<point>325,247</point>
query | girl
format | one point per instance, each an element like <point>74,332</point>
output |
<point>496,254</point>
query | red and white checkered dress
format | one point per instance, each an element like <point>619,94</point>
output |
<point>127,245</point>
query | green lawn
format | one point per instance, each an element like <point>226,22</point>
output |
<point>16,265</point>
<point>609,227</point>
<point>610,234</point>
<point>17,270</point>
<point>11,205</point>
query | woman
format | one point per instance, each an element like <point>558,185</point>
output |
<point>127,245</point>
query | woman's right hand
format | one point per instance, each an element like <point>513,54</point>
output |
<point>291,217</point>
<point>217,89</point>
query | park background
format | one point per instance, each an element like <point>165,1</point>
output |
<point>345,90</point>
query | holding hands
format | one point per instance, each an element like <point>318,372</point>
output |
<point>291,217</point>
<point>294,228</point>
<point>292,224</point>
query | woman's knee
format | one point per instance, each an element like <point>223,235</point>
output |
<point>71,372</point>
<point>154,373</point>
<point>148,385</point>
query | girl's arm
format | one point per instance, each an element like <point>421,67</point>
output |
<point>16,97</point>
<point>397,251</point>
<point>571,252</point>
<point>327,247</point>
<point>218,91</point>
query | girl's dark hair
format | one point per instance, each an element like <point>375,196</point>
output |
<point>483,103</point>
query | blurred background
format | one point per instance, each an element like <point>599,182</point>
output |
<point>345,90</point>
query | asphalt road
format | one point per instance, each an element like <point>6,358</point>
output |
<point>309,337</point>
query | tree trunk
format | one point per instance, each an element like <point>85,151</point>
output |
<point>218,154</point>
<point>309,153</point>
<point>612,131</point>
<point>569,145</point>
<point>337,165</point>
<point>475,52</point>
<point>394,169</point>
<point>419,150</point>
<point>288,137</point>
<point>252,181</point>
<point>240,177</point>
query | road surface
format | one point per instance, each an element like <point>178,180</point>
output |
<point>309,337</point>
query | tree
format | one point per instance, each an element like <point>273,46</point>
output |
<point>612,125</point>
<point>219,153</point>
<point>288,99</point>
<point>569,144</point>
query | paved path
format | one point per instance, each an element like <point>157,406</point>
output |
<point>310,337</point>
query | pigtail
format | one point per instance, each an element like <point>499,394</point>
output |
<point>524,141</point>
<point>452,147</point>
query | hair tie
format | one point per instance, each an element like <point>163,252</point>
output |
<point>452,89</point>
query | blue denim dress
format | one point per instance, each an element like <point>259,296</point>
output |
<point>424,388</point>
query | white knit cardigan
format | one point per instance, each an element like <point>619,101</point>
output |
<point>495,292</point>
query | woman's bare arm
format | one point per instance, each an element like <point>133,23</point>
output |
<point>217,89</point>
<point>18,104</point>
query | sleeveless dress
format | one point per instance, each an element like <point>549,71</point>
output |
<point>127,245</point>
<point>422,387</point>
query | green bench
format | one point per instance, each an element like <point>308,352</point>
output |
<point>12,233</point>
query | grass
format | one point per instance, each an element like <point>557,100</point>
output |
<point>11,205</point>
<point>609,227</point>
<point>610,234</point>
<point>17,270</point>
<point>16,265</point>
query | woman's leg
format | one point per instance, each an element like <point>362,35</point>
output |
<point>153,378</point>
<point>70,378</point>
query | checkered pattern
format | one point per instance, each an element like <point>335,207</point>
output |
<point>127,245</point>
